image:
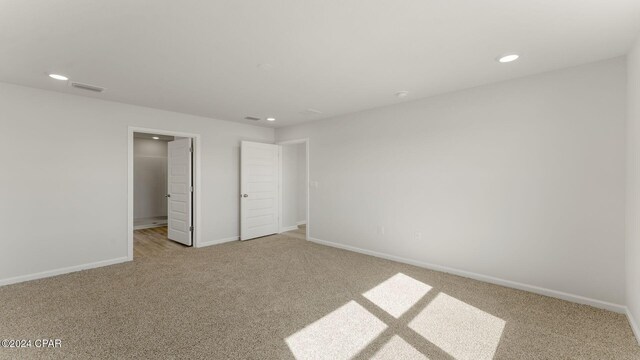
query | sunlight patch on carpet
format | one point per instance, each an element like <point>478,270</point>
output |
<point>341,334</point>
<point>462,330</point>
<point>397,348</point>
<point>397,294</point>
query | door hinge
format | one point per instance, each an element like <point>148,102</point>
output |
<point>191,188</point>
<point>191,149</point>
<point>190,228</point>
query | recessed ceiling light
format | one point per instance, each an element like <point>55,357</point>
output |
<point>155,138</point>
<point>402,94</point>
<point>271,119</point>
<point>58,77</point>
<point>508,58</point>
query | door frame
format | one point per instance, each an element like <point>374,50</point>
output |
<point>281,193</point>
<point>195,141</point>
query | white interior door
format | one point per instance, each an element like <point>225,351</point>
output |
<point>258,190</point>
<point>180,190</point>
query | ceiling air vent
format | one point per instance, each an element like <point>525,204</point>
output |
<point>311,111</point>
<point>87,87</point>
<point>252,118</point>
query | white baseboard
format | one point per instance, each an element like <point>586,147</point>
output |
<point>149,226</point>
<point>288,228</point>
<point>634,325</point>
<point>66,270</point>
<point>302,223</point>
<point>490,279</point>
<point>219,241</point>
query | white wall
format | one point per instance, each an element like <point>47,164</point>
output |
<point>303,186</point>
<point>65,202</point>
<point>521,180</point>
<point>633,188</point>
<point>149,178</point>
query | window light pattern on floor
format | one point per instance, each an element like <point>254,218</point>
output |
<point>340,335</point>
<point>457,328</point>
<point>463,331</point>
<point>397,294</point>
<point>397,348</point>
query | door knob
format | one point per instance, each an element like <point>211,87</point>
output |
<point>245,195</point>
<point>168,195</point>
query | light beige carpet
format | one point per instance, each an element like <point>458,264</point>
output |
<point>280,296</point>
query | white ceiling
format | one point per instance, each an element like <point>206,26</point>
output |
<point>337,56</point>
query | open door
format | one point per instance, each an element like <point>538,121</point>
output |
<point>258,190</point>
<point>180,190</point>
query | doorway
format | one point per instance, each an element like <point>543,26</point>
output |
<point>150,164</point>
<point>163,193</point>
<point>294,188</point>
<point>274,189</point>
